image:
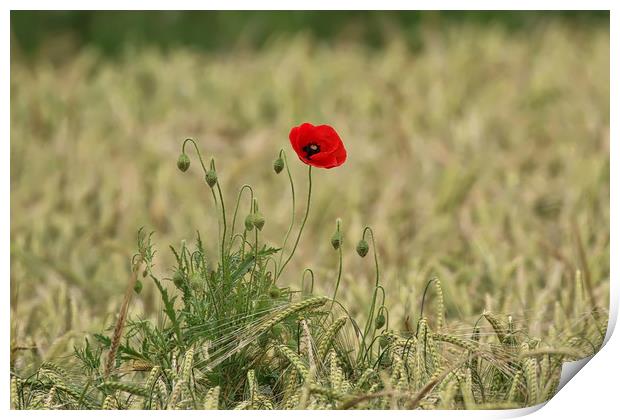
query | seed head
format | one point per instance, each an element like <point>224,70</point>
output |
<point>211,178</point>
<point>362,248</point>
<point>183,162</point>
<point>278,165</point>
<point>259,220</point>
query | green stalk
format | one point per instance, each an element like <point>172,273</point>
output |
<point>371,312</point>
<point>234,219</point>
<point>303,223</point>
<point>290,228</point>
<point>219,190</point>
<point>204,168</point>
<point>339,277</point>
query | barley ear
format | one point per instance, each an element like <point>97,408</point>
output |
<point>120,322</point>
<point>211,401</point>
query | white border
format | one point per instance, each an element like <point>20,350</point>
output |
<point>593,394</point>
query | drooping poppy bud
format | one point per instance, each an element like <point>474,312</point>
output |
<point>278,165</point>
<point>137,287</point>
<point>362,248</point>
<point>274,292</point>
<point>211,178</point>
<point>249,222</point>
<point>259,220</point>
<point>379,321</point>
<point>178,279</point>
<point>383,341</point>
<point>276,330</point>
<point>195,281</point>
<point>183,162</point>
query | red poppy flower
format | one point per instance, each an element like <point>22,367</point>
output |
<point>318,146</point>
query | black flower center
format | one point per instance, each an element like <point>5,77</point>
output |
<point>311,149</point>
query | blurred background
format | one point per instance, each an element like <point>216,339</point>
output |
<point>478,151</point>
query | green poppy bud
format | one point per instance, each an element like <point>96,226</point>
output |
<point>137,287</point>
<point>383,342</point>
<point>262,304</point>
<point>183,162</point>
<point>259,220</point>
<point>249,222</point>
<point>274,292</point>
<point>263,340</point>
<point>211,178</point>
<point>177,279</point>
<point>362,248</point>
<point>336,239</point>
<point>195,281</point>
<point>276,330</point>
<point>379,321</point>
<point>278,165</point>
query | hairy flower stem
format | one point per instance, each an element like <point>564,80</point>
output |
<point>253,270</point>
<point>290,228</point>
<point>204,168</point>
<point>303,223</point>
<point>219,191</point>
<point>371,313</point>
<point>339,277</point>
<point>234,219</point>
<point>219,222</point>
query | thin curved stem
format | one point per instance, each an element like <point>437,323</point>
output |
<point>219,190</point>
<point>339,277</point>
<point>371,312</point>
<point>253,268</point>
<point>303,223</point>
<point>204,168</point>
<point>290,228</point>
<point>303,278</point>
<point>234,219</point>
<point>219,222</point>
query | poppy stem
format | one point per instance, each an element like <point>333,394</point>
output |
<point>219,191</point>
<point>339,275</point>
<point>290,228</point>
<point>303,278</point>
<point>303,223</point>
<point>251,285</point>
<point>371,312</point>
<point>234,219</point>
<point>204,168</point>
<point>219,222</point>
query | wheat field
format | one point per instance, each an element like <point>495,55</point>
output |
<point>480,158</point>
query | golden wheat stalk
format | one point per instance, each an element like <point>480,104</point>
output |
<point>120,322</point>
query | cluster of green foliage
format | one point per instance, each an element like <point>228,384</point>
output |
<point>230,336</point>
